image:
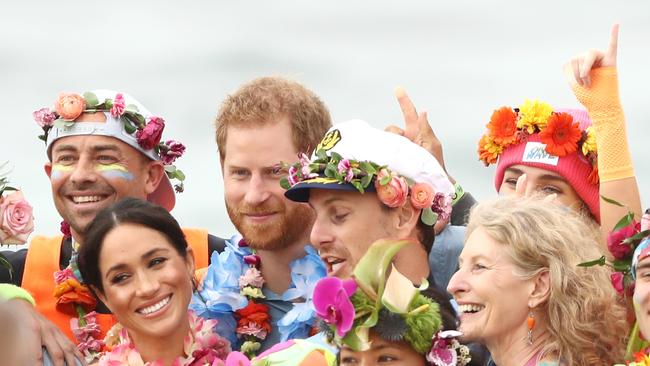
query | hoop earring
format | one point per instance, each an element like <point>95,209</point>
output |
<point>530,323</point>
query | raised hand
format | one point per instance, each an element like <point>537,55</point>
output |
<point>578,68</point>
<point>417,127</point>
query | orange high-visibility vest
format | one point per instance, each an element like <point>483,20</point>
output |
<point>43,257</point>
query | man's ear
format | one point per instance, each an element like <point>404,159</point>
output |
<point>407,219</point>
<point>154,174</point>
<point>48,169</point>
<point>541,289</point>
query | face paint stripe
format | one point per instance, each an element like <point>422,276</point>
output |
<point>58,170</point>
<point>114,171</point>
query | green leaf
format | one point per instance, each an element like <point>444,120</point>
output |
<point>625,221</point>
<point>384,180</point>
<point>128,126</point>
<point>597,262</point>
<point>621,265</point>
<point>365,181</point>
<point>429,217</point>
<point>180,175</point>
<point>62,123</point>
<point>330,171</point>
<point>91,99</point>
<point>335,156</point>
<point>132,108</point>
<point>170,168</point>
<point>284,183</point>
<point>612,201</point>
<point>636,237</point>
<point>321,154</point>
<point>42,137</point>
<point>367,167</point>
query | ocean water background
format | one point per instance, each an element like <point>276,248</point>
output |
<point>458,60</point>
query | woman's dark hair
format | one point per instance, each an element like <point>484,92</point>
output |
<point>126,211</point>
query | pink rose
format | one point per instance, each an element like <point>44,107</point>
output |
<point>615,240</point>
<point>65,229</point>
<point>118,105</point>
<point>617,282</point>
<point>394,193</point>
<point>16,221</point>
<point>69,106</point>
<point>172,151</point>
<point>63,275</point>
<point>150,135</point>
<point>422,195</point>
<point>44,117</point>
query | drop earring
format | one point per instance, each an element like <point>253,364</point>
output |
<point>530,323</point>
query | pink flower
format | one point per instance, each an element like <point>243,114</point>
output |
<point>16,221</point>
<point>293,176</point>
<point>172,151</point>
<point>118,105</point>
<point>442,206</point>
<point>65,229</point>
<point>150,135</point>
<point>332,303</point>
<point>90,330</point>
<point>441,354</point>
<point>254,329</point>
<point>237,359</point>
<point>615,240</point>
<point>69,106</point>
<point>252,277</point>
<point>344,167</point>
<point>421,195</point>
<point>617,282</point>
<point>394,193</point>
<point>63,275</point>
<point>44,117</point>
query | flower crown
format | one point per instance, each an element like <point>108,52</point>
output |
<point>558,130</point>
<point>148,131</point>
<point>388,305</point>
<point>393,190</point>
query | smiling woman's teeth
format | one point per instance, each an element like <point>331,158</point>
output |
<point>155,307</point>
<point>84,199</point>
<point>470,308</point>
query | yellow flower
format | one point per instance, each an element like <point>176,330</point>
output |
<point>533,113</point>
<point>252,292</point>
<point>488,150</point>
<point>589,146</point>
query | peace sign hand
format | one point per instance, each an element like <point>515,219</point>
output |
<point>417,127</point>
<point>578,68</point>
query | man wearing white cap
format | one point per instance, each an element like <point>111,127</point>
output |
<point>102,146</point>
<point>366,184</point>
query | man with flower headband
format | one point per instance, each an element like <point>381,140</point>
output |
<point>365,184</point>
<point>102,146</point>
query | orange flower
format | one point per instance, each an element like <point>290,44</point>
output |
<point>254,313</point>
<point>69,106</point>
<point>488,150</point>
<point>503,126</point>
<point>71,292</point>
<point>561,135</point>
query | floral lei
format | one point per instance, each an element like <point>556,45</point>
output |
<point>202,346</point>
<point>232,293</point>
<point>148,131</point>
<point>74,298</point>
<point>558,130</point>
<point>393,190</point>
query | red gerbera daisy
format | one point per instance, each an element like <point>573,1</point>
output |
<point>561,135</point>
<point>503,126</point>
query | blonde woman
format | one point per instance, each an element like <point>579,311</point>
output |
<point>521,293</point>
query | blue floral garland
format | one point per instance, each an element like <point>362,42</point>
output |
<point>219,296</point>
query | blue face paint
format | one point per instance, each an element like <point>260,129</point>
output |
<point>59,170</point>
<point>114,171</point>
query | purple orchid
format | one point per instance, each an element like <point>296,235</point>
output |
<point>344,167</point>
<point>332,303</point>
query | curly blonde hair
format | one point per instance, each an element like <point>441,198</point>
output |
<point>586,321</point>
<point>264,100</point>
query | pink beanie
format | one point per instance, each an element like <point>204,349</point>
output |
<point>574,167</point>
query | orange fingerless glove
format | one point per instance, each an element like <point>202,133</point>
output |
<point>604,106</point>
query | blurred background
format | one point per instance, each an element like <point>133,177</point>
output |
<point>458,60</point>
